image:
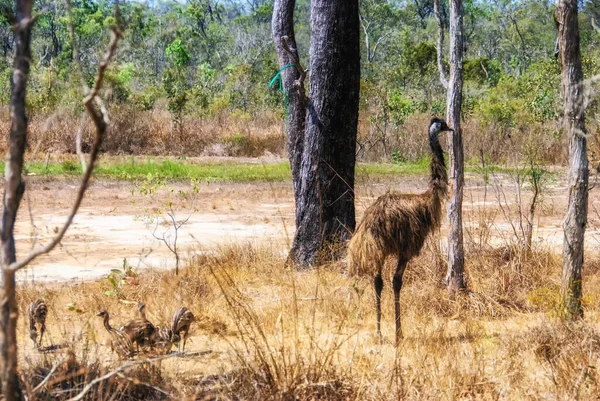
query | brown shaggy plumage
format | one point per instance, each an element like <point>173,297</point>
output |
<point>397,224</point>
<point>140,331</point>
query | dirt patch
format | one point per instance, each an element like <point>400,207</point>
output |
<point>112,224</point>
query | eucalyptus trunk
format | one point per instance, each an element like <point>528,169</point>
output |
<point>292,84</point>
<point>322,151</point>
<point>456,256</point>
<point>574,125</point>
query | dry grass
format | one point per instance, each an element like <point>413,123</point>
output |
<point>153,133</point>
<point>281,335</point>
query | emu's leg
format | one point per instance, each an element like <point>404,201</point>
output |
<point>378,282</point>
<point>397,285</point>
<point>185,335</point>
<point>42,331</point>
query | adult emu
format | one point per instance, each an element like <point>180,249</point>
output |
<point>398,224</point>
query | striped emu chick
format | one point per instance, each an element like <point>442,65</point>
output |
<point>140,331</point>
<point>182,320</point>
<point>397,224</point>
<point>120,342</point>
<point>164,339</point>
<point>37,316</point>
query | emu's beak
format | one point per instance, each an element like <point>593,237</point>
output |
<point>99,314</point>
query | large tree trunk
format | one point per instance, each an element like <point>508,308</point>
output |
<point>324,149</point>
<point>13,193</point>
<point>292,81</point>
<point>328,158</point>
<point>574,116</point>
<point>456,257</point>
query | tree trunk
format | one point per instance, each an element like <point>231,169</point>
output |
<point>456,257</point>
<point>13,193</point>
<point>574,116</point>
<point>292,81</point>
<point>440,44</point>
<point>325,206</point>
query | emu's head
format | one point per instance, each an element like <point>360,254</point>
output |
<point>141,306</point>
<point>436,126</point>
<point>102,313</point>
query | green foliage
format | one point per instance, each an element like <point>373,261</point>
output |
<point>399,107</point>
<point>177,53</point>
<point>214,59</point>
<point>118,278</point>
<point>482,71</point>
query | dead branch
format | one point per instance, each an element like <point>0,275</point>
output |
<point>99,115</point>
<point>299,83</point>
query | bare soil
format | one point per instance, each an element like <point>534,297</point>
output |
<point>113,224</point>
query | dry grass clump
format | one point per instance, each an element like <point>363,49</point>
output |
<point>63,377</point>
<point>570,356</point>
<point>267,333</point>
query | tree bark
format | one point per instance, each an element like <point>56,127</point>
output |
<point>13,193</point>
<point>456,258</point>
<point>574,125</point>
<point>325,182</point>
<point>292,81</point>
<point>440,44</point>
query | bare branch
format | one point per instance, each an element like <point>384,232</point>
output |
<point>55,366</point>
<point>100,119</point>
<point>299,83</point>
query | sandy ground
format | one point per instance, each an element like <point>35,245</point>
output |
<point>113,224</point>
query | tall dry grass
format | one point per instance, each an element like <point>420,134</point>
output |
<point>267,333</point>
<point>132,131</point>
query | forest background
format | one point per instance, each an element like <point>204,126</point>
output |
<point>197,78</point>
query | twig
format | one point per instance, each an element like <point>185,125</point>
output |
<point>47,378</point>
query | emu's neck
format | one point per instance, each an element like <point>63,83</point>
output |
<point>106,324</point>
<point>438,182</point>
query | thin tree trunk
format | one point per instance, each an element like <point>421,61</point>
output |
<point>440,44</point>
<point>574,117</point>
<point>456,257</point>
<point>326,201</point>
<point>13,193</point>
<point>292,80</point>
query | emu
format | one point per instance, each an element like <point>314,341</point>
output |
<point>37,315</point>
<point>140,331</point>
<point>163,339</point>
<point>120,342</point>
<point>397,224</point>
<point>182,320</point>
